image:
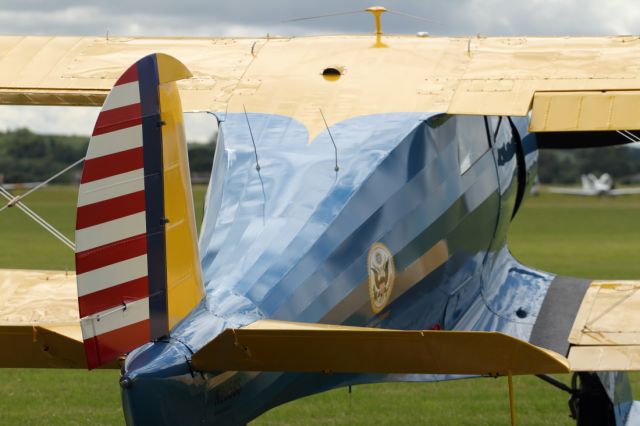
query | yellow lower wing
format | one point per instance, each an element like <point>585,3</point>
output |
<point>286,346</point>
<point>606,332</point>
<point>39,325</point>
<point>39,328</point>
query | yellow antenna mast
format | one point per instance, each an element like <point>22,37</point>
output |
<point>377,11</point>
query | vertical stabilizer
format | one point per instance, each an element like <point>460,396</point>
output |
<point>136,254</point>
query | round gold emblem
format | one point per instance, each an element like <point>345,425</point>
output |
<point>382,275</point>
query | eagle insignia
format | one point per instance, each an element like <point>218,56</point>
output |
<point>382,275</point>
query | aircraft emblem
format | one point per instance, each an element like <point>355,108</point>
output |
<point>382,275</point>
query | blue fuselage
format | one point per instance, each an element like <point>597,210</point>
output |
<point>290,241</point>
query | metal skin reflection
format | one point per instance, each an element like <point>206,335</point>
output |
<point>290,241</point>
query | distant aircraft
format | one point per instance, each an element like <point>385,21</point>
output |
<point>355,226</point>
<point>593,186</point>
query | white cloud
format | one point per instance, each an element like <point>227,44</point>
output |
<point>200,127</point>
<point>49,120</point>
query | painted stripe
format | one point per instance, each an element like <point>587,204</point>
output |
<point>113,142</point>
<point>112,275</point>
<point>109,346</point>
<point>354,308</point>
<point>113,296</point>
<point>154,192</point>
<point>108,210</point>
<point>407,200</point>
<point>109,320</point>
<point>358,304</point>
<point>123,95</point>
<point>131,74</point>
<point>117,118</point>
<point>111,187</point>
<point>108,232</point>
<point>114,252</point>
<point>111,165</point>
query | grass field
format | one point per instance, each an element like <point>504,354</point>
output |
<point>590,237</point>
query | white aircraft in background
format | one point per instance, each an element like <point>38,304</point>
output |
<point>592,186</point>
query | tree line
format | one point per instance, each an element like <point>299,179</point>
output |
<point>565,166</point>
<point>30,157</point>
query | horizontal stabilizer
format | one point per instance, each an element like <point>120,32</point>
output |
<point>43,346</point>
<point>286,346</point>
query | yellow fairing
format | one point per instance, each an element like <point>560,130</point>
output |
<point>184,276</point>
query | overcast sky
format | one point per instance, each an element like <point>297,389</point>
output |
<point>261,17</point>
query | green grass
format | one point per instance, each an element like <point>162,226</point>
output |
<point>588,237</point>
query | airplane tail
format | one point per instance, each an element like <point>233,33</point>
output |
<point>606,181</point>
<point>136,257</point>
<point>587,184</point>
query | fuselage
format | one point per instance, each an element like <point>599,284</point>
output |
<point>404,228</point>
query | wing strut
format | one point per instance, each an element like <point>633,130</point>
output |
<point>15,201</point>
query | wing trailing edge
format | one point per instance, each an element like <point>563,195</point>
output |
<point>575,111</point>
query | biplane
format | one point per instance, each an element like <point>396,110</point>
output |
<point>594,186</point>
<point>355,222</point>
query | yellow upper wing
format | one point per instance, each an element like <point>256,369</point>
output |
<point>463,75</point>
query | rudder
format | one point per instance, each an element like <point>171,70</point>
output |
<point>136,257</point>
